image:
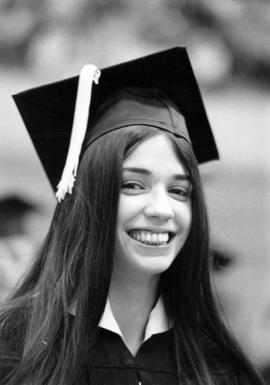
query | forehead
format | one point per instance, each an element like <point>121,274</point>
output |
<point>156,154</point>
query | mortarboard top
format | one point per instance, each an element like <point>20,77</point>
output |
<point>47,111</point>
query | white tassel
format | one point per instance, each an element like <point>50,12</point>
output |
<point>88,75</point>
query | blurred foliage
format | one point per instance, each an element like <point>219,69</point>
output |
<point>228,36</point>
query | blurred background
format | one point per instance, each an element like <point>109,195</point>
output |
<point>229,45</point>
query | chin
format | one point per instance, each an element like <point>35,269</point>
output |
<point>151,265</point>
<point>135,258</point>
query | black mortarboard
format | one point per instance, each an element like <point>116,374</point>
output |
<point>48,110</point>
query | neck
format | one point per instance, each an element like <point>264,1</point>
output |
<point>132,299</point>
<point>134,291</point>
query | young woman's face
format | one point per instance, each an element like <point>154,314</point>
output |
<point>154,215</point>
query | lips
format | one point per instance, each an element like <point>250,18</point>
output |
<point>151,238</point>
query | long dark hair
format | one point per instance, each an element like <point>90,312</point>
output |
<point>75,265</point>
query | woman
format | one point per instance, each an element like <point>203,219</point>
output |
<point>120,291</point>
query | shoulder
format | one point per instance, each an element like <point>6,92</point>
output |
<point>12,335</point>
<point>13,327</point>
<point>231,366</point>
<point>237,377</point>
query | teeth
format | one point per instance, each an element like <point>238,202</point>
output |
<point>155,238</point>
<point>160,237</point>
<point>149,238</point>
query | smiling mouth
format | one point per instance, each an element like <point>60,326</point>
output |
<point>150,238</point>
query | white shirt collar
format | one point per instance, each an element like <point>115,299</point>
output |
<point>158,321</point>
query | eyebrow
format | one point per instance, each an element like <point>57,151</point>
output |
<point>146,172</point>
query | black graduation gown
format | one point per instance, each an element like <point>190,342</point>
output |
<point>111,363</point>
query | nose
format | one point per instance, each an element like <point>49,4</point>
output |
<point>158,205</point>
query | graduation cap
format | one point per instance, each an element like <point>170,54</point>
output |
<point>48,111</point>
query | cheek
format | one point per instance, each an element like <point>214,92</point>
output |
<point>184,217</point>
<point>122,212</point>
<point>128,209</point>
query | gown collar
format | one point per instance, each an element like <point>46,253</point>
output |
<point>158,322</point>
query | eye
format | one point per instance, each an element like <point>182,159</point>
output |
<point>132,187</point>
<point>180,193</point>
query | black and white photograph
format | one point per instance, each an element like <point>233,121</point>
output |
<point>135,192</point>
